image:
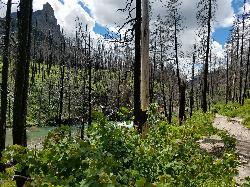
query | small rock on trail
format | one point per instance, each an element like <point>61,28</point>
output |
<point>213,145</point>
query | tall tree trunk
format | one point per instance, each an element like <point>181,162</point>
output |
<point>137,67</point>
<point>90,84</point>
<point>232,77</point>
<point>192,85</point>
<point>205,82</point>
<point>181,84</point>
<point>236,63</point>
<point>40,105</point>
<point>21,78</point>
<point>4,85</point>
<point>162,83</point>
<point>119,90</point>
<point>141,66</point>
<point>227,86</point>
<point>145,62</point>
<point>182,102</point>
<point>153,69</point>
<point>63,46</point>
<point>170,104</point>
<point>83,73</point>
<point>246,77</point>
<point>211,87</point>
<point>241,55</point>
<point>69,99</point>
<point>162,86</point>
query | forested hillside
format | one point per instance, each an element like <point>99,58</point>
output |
<point>150,100</point>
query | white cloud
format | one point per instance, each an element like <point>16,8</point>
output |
<point>67,13</point>
<point>224,13</point>
<point>217,50</point>
<point>105,13</point>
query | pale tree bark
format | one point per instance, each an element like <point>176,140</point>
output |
<point>145,74</point>
<point>145,56</point>
<point>141,67</point>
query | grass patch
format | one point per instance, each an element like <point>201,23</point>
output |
<point>235,110</point>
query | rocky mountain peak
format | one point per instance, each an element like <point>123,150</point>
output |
<point>45,21</point>
<point>48,8</point>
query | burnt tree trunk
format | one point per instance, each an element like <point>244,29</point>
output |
<point>90,85</point>
<point>227,86</point>
<point>182,87</point>
<point>22,73</point>
<point>192,86</point>
<point>246,77</point>
<point>170,102</point>
<point>241,58</point>
<point>4,85</point>
<point>205,81</point>
<point>153,69</point>
<point>182,100</point>
<point>137,68</point>
<point>63,46</point>
<point>22,79</point>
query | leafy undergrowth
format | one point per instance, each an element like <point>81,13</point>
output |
<point>115,156</point>
<point>235,110</point>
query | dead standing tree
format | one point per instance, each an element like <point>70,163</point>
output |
<point>205,17</point>
<point>140,32</point>
<point>4,85</point>
<point>174,22</point>
<point>22,73</point>
<point>241,54</point>
<point>22,79</point>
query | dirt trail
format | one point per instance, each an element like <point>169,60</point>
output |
<point>242,134</point>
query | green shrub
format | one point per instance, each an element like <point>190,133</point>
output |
<point>168,155</point>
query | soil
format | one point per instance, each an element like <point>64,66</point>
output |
<point>235,128</point>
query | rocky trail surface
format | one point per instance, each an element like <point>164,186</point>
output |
<point>235,128</point>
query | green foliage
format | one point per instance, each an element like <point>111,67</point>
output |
<point>6,178</point>
<point>247,182</point>
<point>124,114</point>
<point>235,110</point>
<point>168,155</point>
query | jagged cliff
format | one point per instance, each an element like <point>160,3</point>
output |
<point>44,23</point>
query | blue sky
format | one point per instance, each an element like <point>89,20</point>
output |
<point>98,29</point>
<point>61,1</point>
<point>221,34</point>
<point>85,7</point>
